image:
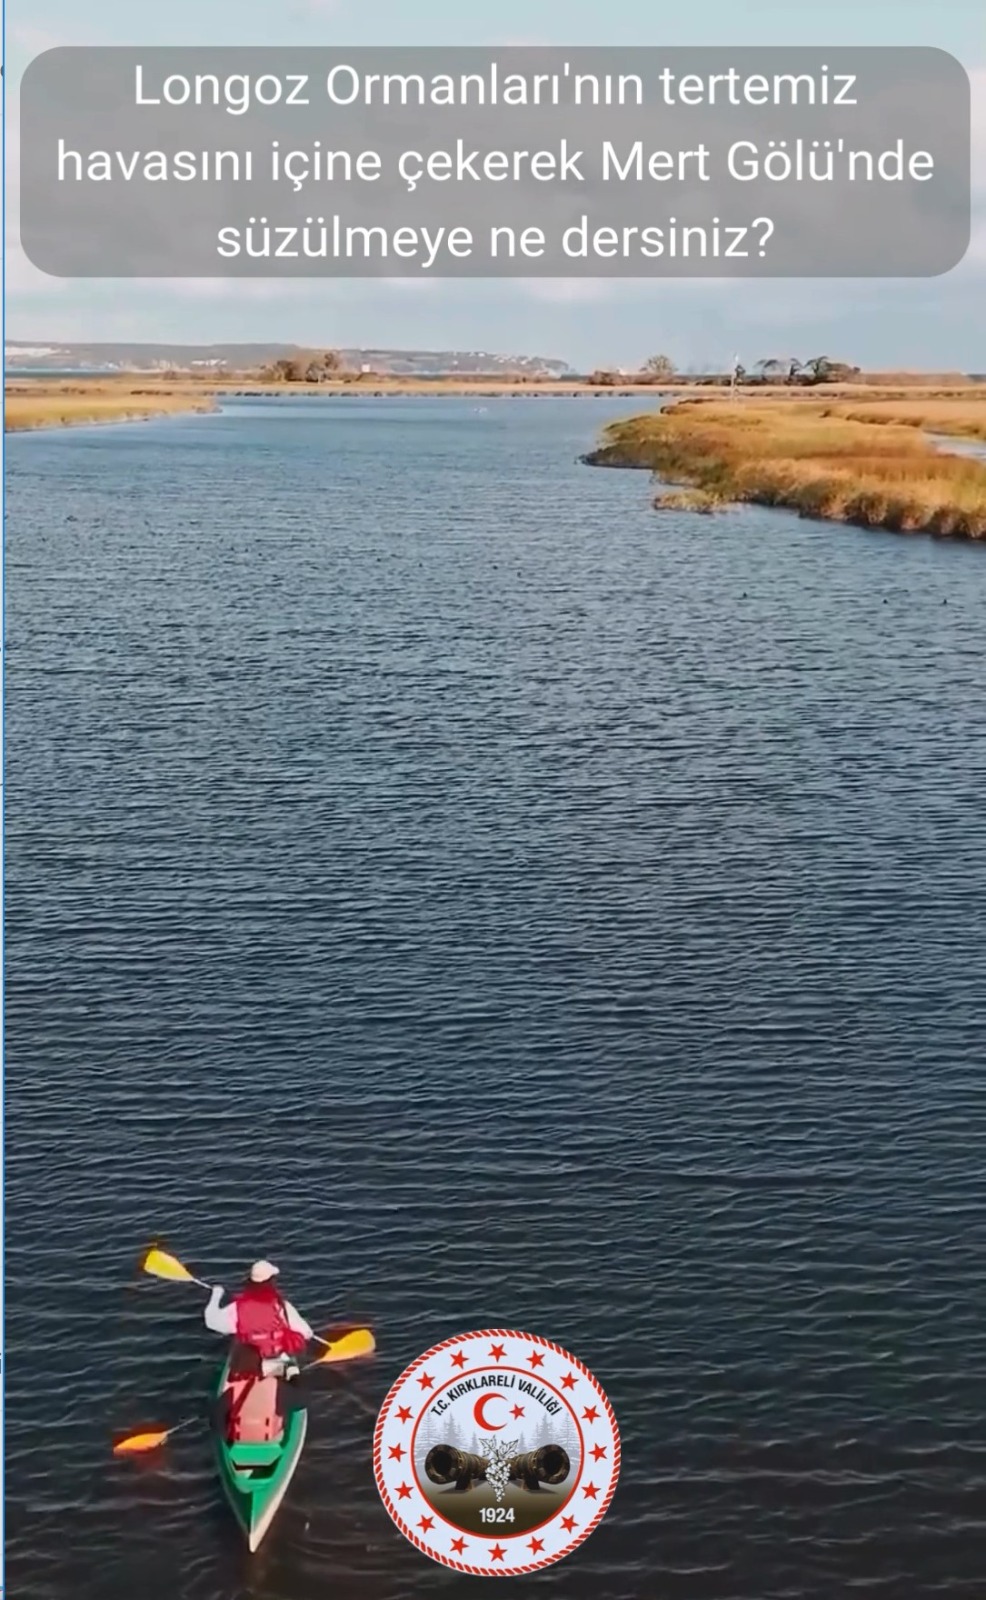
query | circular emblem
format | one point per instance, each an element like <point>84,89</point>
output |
<point>496,1453</point>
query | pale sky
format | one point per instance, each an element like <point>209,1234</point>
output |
<point>933,323</point>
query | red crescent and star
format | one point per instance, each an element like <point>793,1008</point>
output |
<point>479,1408</point>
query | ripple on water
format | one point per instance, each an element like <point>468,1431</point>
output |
<point>504,906</point>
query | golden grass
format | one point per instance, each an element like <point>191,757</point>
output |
<point>39,405</point>
<point>917,380</point>
<point>877,472</point>
<point>964,418</point>
<point>700,500</point>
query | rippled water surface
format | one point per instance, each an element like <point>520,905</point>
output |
<point>502,906</point>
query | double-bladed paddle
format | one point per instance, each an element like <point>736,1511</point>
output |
<point>357,1341</point>
<point>347,1345</point>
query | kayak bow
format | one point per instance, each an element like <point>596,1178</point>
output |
<point>256,1469</point>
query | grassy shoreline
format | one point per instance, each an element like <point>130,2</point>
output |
<point>36,405</point>
<point>871,464</point>
<point>60,402</point>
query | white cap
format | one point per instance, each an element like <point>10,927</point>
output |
<point>262,1272</point>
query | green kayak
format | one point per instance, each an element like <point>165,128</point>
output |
<point>259,1453</point>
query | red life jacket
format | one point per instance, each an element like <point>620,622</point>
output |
<point>261,1321</point>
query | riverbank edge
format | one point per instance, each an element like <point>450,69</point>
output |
<point>716,469</point>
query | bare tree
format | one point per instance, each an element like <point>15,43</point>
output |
<point>659,367</point>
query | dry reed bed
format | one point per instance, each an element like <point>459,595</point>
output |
<point>63,407</point>
<point>962,418</point>
<point>838,463</point>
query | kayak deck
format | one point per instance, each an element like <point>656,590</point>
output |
<point>256,1469</point>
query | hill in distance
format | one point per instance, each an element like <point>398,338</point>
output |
<point>71,357</point>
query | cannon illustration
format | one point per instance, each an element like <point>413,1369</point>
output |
<point>550,1464</point>
<point>445,1464</point>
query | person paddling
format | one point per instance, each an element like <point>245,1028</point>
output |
<point>262,1321</point>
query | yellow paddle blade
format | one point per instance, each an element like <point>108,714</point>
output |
<point>136,1442</point>
<point>358,1342</point>
<point>160,1265</point>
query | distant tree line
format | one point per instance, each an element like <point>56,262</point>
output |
<point>772,370</point>
<point>307,367</point>
<point>656,369</point>
<point>792,370</point>
<point>317,366</point>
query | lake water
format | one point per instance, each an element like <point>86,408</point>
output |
<point>502,906</point>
